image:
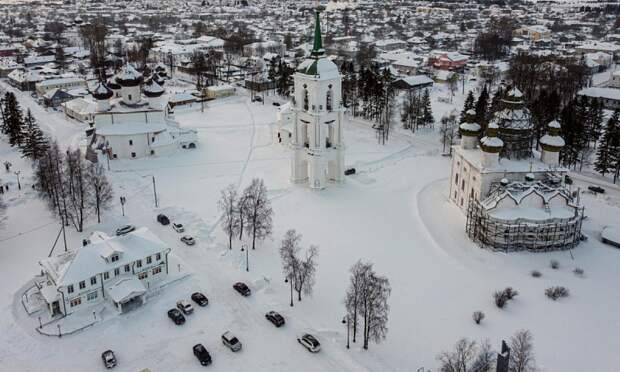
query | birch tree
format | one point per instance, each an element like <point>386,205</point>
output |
<point>359,275</point>
<point>304,277</point>
<point>375,309</point>
<point>258,210</point>
<point>227,205</point>
<point>522,352</point>
<point>100,188</point>
<point>75,180</point>
<point>288,254</point>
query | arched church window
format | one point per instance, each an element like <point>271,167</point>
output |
<point>328,100</point>
<point>306,102</point>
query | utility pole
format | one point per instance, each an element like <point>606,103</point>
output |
<point>19,185</point>
<point>155,192</point>
<point>247,257</point>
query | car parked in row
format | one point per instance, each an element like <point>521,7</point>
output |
<point>178,227</point>
<point>202,354</point>
<point>275,318</point>
<point>242,288</point>
<point>229,340</point>
<point>163,219</point>
<point>309,342</point>
<point>188,240</point>
<point>596,189</point>
<point>185,307</point>
<point>176,316</point>
<point>109,359</point>
<point>200,299</point>
<point>124,230</point>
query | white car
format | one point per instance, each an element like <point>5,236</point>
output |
<point>188,240</point>
<point>185,307</point>
<point>309,342</point>
<point>232,342</point>
<point>178,227</point>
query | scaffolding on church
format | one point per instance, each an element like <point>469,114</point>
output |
<point>522,234</point>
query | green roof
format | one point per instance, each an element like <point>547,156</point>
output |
<point>317,47</point>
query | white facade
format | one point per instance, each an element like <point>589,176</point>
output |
<point>316,136</point>
<point>119,269</point>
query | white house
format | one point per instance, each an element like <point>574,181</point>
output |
<point>315,119</point>
<point>119,269</point>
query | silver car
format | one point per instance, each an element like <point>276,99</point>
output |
<point>232,342</point>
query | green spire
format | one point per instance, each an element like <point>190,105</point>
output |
<point>317,48</point>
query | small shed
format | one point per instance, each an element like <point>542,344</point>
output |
<point>611,235</point>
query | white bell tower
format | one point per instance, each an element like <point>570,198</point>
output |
<point>317,140</point>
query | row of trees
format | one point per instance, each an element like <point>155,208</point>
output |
<point>21,131</point>
<point>74,188</point>
<point>608,154</point>
<point>250,211</point>
<point>471,356</point>
<point>417,111</point>
<point>299,269</point>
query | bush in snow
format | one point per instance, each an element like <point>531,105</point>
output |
<point>478,316</point>
<point>578,271</point>
<point>556,292</point>
<point>536,274</point>
<point>502,297</point>
<point>554,264</point>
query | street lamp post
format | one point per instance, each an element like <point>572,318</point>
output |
<point>154,188</point>
<point>287,280</point>
<point>123,200</point>
<point>19,185</point>
<point>247,257</point>
<point>345,320</point>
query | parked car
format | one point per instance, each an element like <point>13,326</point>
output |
<point>185,307</point>
<point>178,227</point>
<point>242,289</point>
<point>229,340</point>
<point>277,104</point>
<point>109,359</point>
<point>275,318</point>
<point>349,171</point>
<point>163,219</point>
<point>177,316</point>
<point>188,240</point>
<point>596,189</point>
<point>125,230</point>
<point>257,99</point>
<point>202,354</point>
<point>200,299</point>
<point>568,180</point>
<point>309,342</point>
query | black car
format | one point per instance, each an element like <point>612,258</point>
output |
<point>596,189</point>
<point>242,289</point>
<point>176,316</point>
<point>124,230</point>
<point>202,354</point>
<point>109,359</point>
<point>277,104</point>
<point>200,299</point>
<point>163,219</point>
<point>275,318</point>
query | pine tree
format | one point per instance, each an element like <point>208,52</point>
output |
<point>481,108</point>
<point>594,121</point>
<point>14,119</point>
<point>469,104</point>
<point>573,132</point>
<point>608,154</point>
<point>34,144</point>
<point>427,110</point>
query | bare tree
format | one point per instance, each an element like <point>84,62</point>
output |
<point>288,253</point>
<point>305,273</point>
<point>459,359</point>
<point>241,212</point>
<point>76,185</point>
<point>359,273</point>
<point>100,188</point>
<point>227,205</point>
<point>258,210</point>
<point>485,360</point>
<point>522,352</point>
<point>448,130</point>
<point>375,309</point>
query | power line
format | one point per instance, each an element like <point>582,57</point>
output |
<point>27,231</point>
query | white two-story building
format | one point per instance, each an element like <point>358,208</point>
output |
<point>119,269</point>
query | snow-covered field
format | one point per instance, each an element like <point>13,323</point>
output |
<point>393,213</point>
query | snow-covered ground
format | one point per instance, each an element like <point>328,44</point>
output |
<point>393,213</point>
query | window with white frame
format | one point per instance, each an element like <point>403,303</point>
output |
<point>91,296</point>
<point>117,271</point>
<point>139,263</point>
<point>127,268</point>
<point>75,302</point>
<point>156,270</point>
<point>82,284</point>
<point>70,288</point>
<point>106,275</point>
<point>158,256</point>
<point>93,280</point>
<point>114,258</point>
<point>148,260</point>
<point>143,275</point>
